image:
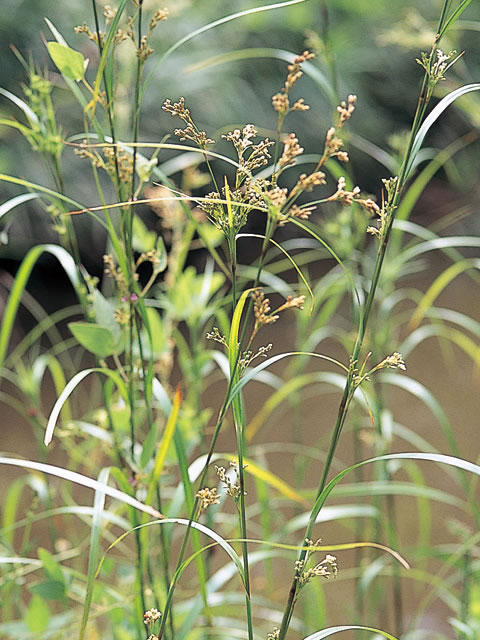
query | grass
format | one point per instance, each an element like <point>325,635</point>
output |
<point>185,539</point>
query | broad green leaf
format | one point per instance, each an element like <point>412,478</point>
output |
<point>143,239</point>
<point>105,317</point>
<point>38,615</point>
<point>49,589</point>
<point>70,63</point>
<point>50,565</point>
<point>94,338</point>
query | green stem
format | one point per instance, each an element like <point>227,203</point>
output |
<point>349,388</point>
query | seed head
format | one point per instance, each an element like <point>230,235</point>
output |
<point>207,497</point>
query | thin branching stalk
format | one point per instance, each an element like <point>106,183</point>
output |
<point>350,385</point>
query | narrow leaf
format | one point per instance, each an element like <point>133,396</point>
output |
<point>72,384</point>
<point>78,478</point>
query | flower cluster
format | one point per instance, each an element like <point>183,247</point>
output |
<point>232,487</point>
<point>281,101</point>
<point>207,497</point>
<point>386,212</point>
<point>258,154</point>
<point>190,132</point>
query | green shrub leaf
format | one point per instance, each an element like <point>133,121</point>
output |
<point>70,63</point>
<point>38,615</point>
<point>94,338</point>
<point>49,590</point>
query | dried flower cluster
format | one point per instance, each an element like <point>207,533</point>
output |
<point>386,212</point>
<point>215,335</point>
<point>190,132</point>
<point>327,568</point>
<point>207,497</point>
<point>263,313</point>
<point>151,616</point>
<point>249,356</point>
<point>281,101</point>
<point>395,361</point>
<point>291,150</point>
<point>232,487</point>
<point>142,47</point>
<point>274,634</point>
<point>258,154</point>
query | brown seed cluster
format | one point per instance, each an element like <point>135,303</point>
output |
<point>280,101</point>
<point>190,132</point>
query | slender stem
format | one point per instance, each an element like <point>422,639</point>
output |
<point>221,417</point>
<point>349,388</point>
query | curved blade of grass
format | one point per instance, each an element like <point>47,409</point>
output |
<point>292,262</point>
<point>235,329</point>
<point>433,117</point>
<point>71,385</point>
<point>325,633</point>
<point>439,243</point>
<point>212,25</point>
<point>331,513</point>
<point>458,463</point>
<point>345,546</point>
<point>437,286</point>
<point>469,346</point>
<point>264,52</point>
<point>85,481</point>
<point>249,375</point>
<point>96,526</point>
<point>51,363</point>
<point>6,207</point>
<point>186,523</point>
<point>31,185</point>
<point>29,114</point>
<point>412,194</point>
<point>79,511</point>
<point>385,488</point>
<point>10,503</point>
<point>21,279</point>
<point>277,398</point>
<point>172,146</point>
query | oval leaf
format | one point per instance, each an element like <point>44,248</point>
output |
<point>94,338</point>
<point>70,63</point>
